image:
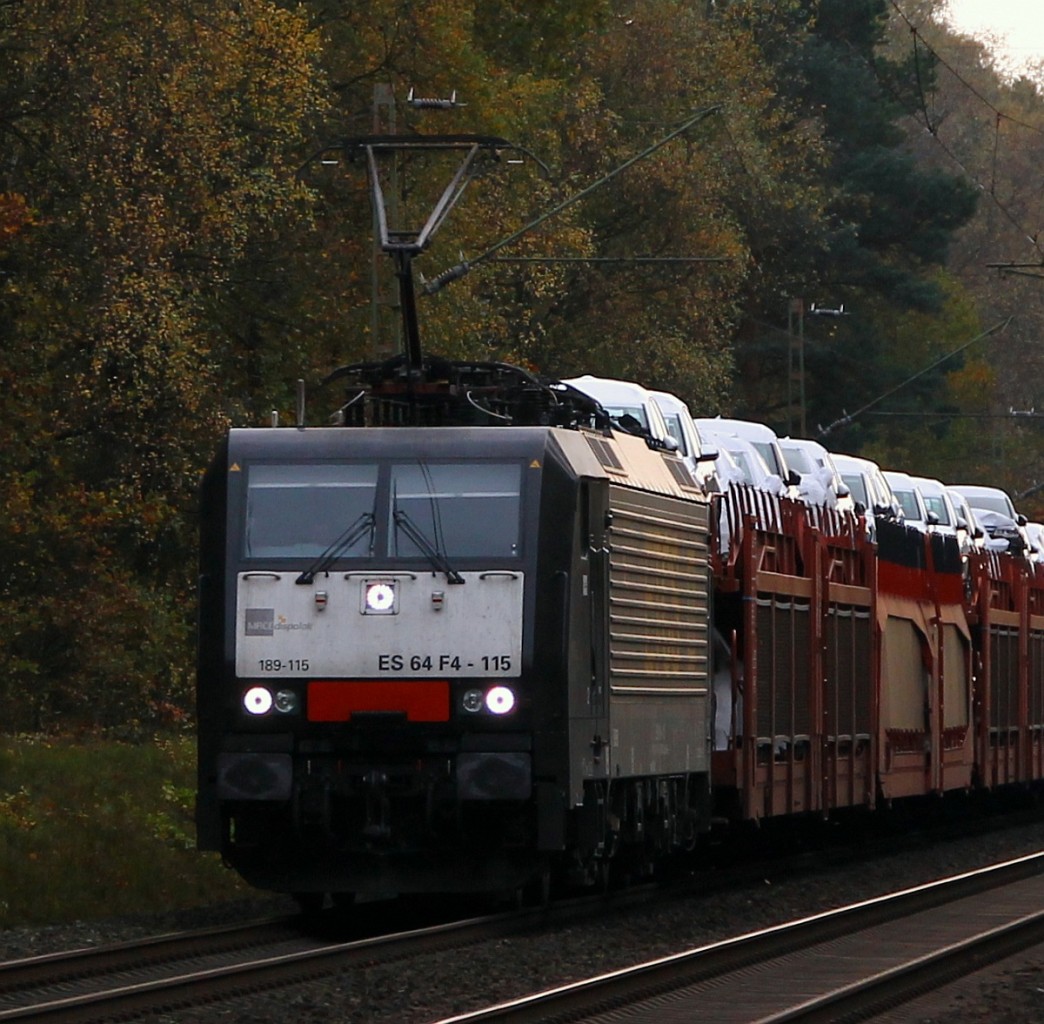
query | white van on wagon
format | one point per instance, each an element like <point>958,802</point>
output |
<point>869,489</point>
<point>750,465</point>
<point>764,441</point>
<point>821,484</point>
<point>630,406</point>
<point>763,438</point>
<point>702,459</point>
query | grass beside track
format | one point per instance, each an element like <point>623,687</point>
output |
<point>93,828</point>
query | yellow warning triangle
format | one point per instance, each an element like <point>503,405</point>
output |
<point>234,468</point>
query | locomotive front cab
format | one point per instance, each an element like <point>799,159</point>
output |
<point>376,680</point>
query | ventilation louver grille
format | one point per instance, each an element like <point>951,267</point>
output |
<point>604,453</point>
<point>681,473</point>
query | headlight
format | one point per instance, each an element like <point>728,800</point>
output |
<point>257,700</point>
<point>286,701</point>
<point>500,700</point>
<point>472,701</point>
<point>379,598</point>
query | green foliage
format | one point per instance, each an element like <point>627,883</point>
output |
<point>888,219</point>
<point>92,829</point>
<point>529,34</point>
<point>924,365</point>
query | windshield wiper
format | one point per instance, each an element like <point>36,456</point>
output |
<point>436,557</point>
<point>342,543</point>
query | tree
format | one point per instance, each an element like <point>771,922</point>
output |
<point>154,146</point>
<point>892,220</point>
<point>723,193</point>
<point>989,127</point>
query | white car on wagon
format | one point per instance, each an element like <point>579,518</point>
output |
<point>868,486</point>
<point>821,483</point>
<point>909,497</point>
<point>997,516</point>
<point>942,516</point>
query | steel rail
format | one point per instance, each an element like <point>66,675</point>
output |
<point>202,984</point>
<point>135,953</point>
<point>659,978</point>
<point>883,991</point>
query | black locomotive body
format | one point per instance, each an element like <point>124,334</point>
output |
<point>450,659</point>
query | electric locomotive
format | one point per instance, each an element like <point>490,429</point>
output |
<point>451,658</point>
<point>457,642</point>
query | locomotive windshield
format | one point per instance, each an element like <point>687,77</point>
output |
<point>464,509</point>
<point>456,509</point>
<point>295,511</point>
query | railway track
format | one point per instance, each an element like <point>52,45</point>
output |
<point>844,965</point>
<point>182,969</point>
<point>166,972</point>
<point>169,971</point>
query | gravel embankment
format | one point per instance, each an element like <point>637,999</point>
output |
<point>439,985</point>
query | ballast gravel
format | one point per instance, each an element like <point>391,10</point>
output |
<point>435,986</point>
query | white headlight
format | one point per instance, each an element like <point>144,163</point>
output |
<point>472,701</point>
<point>257,700</point>
<point>379,597</point>
<point>285,701</point>
<point>500,700</point>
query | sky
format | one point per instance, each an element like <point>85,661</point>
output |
<point>1019,23</point>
